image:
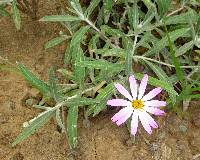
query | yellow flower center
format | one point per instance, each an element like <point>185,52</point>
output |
<point>137,104</point>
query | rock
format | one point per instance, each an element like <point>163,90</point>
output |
<point>182,128</point>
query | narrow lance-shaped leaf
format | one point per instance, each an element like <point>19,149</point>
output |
<point>112,32</point>
<point>34,125</point>
<point>179,71</point>
<point>77,7</point>
<point>157,83</point>
<point>80,101</point>
<point>54,91</point>
<point>33,80</point>
<point>59,18</point>
<point>198,26</point>
<point>76,41</point>
<point>3,12</point>
<point>16,15</point>
<point>163,6</point>
<point>148,17</point>
<point>72,118</point>
<point>133,16</point>
<point>59,120</point>
<point>102,97</point>
<point>182,18</point>
<point>55,41</point>
<point>107,4</point>
<point>162,76</point>
<point>107,52</point>
<point>128,55</point>
<point>100,64</point>
<point>92,6</point>
<point>184,48</point>
<point>79,72</point>
<point>164,41</point>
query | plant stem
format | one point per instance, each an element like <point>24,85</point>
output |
<point>102,35</point>
<point>178,10</point>
<point>162,63</point>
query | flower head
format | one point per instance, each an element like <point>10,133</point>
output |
<point>138,105</point>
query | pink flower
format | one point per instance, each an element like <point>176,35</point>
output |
<point>138,105</point>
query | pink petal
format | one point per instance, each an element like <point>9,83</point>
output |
<point>152,94</point>
<point>118,102</point>
<point>122,115</point>
<point>145,123</point>
<point>154,111</point>
<point>143,86</point>
<point>155,103</point>
<point>123,91</point>
<point>133,86</point>
<point>124,118</point>
<point>134,123</point>
<point>150,120</point>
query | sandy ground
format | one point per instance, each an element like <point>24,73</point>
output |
<point>176,139</point>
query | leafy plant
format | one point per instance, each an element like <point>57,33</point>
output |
<point>107,48</point>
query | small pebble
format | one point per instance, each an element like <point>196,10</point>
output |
<point>183,128</point>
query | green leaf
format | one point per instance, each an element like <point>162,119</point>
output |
<point>79,71</point>
<point>68,54</point>
<point>3,12</point>
<point>112,32</point>
<point>184,48</point>
<point>77,7</point>
<point>80,101</point>
<point>113,52</point>
<point>76,41</point>
<point>198,26</point>
<point>102,97</point>
<point>148,17</point>
<point>128,55</point>
<point>93,43</point>
<point>101,64</point>
<point>157,83</point>
<point>59,119</point>
<point>92,6</point>
<point>175,61</point>
<point>133,16</point>
<point>182,18</point>
<point>16,15</point>
<point>148,3</point>
<point>72,118</point>
<point>54,91</point>
<point>74,46</point>
<point>164,41</point>
<point>163,7</point>
<point>59,18</point>
<point>194,96</point>
<point>146,39</point>
<point>107,5</point>
<point>34,125</point>
<point>78,36</point>
<point>55,41</point>
<point>163,77</point>
<point>33,80</point>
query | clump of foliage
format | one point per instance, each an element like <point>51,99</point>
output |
<point>108,41</point>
